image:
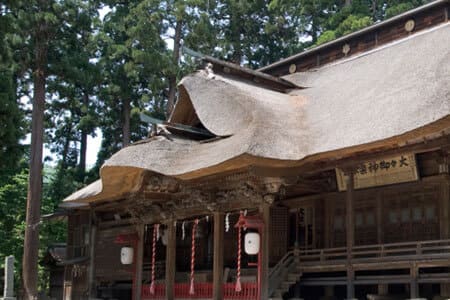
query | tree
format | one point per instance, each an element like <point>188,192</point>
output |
<point>134,61</point>
<point>11,116</point>
<point>42,21</point>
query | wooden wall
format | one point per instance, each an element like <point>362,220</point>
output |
<point>76,275</point>
<point>108,267</point>
<point>401,213</point>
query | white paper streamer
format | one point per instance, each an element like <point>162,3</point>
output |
<point>227,222</point>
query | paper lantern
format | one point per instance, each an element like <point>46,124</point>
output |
<point>126,255</point>
<point>252,243</point>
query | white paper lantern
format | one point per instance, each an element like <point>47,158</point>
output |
<point>252,243</point>
<point>126,255</point>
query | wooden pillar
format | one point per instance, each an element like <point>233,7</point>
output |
<point>349,204</point>
<point>171,252</point>
<point>219,228</point>
<point>443,161</point>
<point>329,291</point>
<point>414,286</point>
<point>265,248</point>
<point>91,272</point>
<point>380,208</point>
<point>445,209</point>
<point>139,262</point>
<point>327,221</point>
<point>383,289</point>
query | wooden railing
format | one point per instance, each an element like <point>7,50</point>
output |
<point>279,272</point>
<point>203,290</point>
<point>160,291</point>
<point>383,252</point>
<point>249,291</point>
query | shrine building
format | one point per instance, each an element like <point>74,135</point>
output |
<point>322,176</point>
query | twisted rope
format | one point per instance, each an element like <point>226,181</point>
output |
<point>155,236</point>
<point>194,228</point>
<point>238,276</point>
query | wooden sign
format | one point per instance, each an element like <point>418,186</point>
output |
<point>388,170</point>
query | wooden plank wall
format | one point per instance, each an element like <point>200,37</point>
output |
<point>400,213</point>
<point>76,275</point>
<point>107,255</point>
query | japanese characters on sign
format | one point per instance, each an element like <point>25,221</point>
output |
<point>388,170</point>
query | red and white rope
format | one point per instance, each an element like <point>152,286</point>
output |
<point>155,237</point>
<point>194,229</point>
<point>238,276</point>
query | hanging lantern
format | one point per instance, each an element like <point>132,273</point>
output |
<point>126,255</point>
<point>252,243</point>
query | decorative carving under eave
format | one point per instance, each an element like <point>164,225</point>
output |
<point>160,184</point>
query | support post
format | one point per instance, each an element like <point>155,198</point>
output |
<point>139,262</point>
<point>8,289</point>
<point>265,248</point>
<point>443,162</point>
<point>380,209</point>
<point>414,286</point>
<point>170,259</point>
<point>218,256</point>
<point>91,271</point>
<point>349,204</point>
<point>383,289</point>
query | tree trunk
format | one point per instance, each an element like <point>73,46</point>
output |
<point>126,110</point>
<point>83,142</point>
<point>33,214</point>
<point>348,2</point>
<point>173,77</point>
<point>65,151</point>
<point>236,28</point>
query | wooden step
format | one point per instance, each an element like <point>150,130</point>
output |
<point>294,276</point>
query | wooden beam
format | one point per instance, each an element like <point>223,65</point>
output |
<point>139,262</point>
<point>219,226</point>
<point>171,251</point>
<point>265,248</point>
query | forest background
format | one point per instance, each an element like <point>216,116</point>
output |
<point>72,68</point>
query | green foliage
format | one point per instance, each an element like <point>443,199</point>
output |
<point>325,37</point>
<point>398,9</point>
<point>352,23</point>
<point>13,197</point>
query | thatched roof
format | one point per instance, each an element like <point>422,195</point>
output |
<point>389,96</point>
